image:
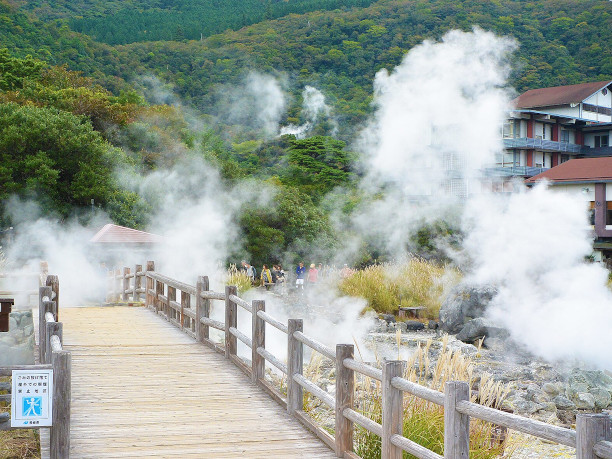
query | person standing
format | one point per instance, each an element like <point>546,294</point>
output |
<point>266,277</point>
<point>313,274</point>
<point>300,274</point>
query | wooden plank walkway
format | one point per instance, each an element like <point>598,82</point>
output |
<point>141,388</point>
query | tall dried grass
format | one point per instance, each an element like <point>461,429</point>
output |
<point>415,283</point>
<point>424,421</point>
<point>236,277</point>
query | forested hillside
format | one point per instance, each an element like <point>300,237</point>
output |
<point>561,42</point>
<point>75,111</point>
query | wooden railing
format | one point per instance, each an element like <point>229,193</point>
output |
<point>51,356</point>
<point>592,437</point>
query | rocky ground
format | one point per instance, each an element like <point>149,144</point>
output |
<point>17,345</point>
<point>538,389</point>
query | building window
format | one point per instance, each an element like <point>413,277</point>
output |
<point>592,213</point>
<point>564,136</point>
<point>538,160</point>
<point>609,213</point>
<point>602,141</point>
<point>563,158</point>
<point>508,130</point>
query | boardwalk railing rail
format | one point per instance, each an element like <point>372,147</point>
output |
<point>51,356</point>
<point>592,437</point>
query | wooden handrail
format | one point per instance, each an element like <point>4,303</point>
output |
<point>455,400</point>
<point>316,345</point>
<point>512,421</point>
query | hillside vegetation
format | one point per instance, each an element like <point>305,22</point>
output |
<point>74,110</point>
<point>339,51</point>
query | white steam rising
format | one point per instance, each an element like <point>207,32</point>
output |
<point>437,122</point>
<point>532,246</point>
<point>258,102</point>
<point>314,107</point>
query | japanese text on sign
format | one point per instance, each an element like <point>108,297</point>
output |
<point>32,398</point>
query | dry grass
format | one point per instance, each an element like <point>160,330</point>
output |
<point>424,421</point>
<point>18,443</point>
<point>238,278</point>
<point>415,283</point>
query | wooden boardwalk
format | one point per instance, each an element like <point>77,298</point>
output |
<point>141,388</point>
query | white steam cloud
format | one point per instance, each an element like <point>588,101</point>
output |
<point>436,126</point>
<point>437,122</point>
<point>258,102</point>
<point>314,107</point>
<point>532,246</point>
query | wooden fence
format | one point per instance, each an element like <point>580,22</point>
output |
<point>51,356</point>
<point>173,300</point>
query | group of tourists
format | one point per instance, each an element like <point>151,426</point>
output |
<point>276,275</point>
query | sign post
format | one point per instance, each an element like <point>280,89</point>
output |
<point>32,398</point>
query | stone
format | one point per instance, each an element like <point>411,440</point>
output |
<point>414,325</point>
<point>433,325</point>
<point>567,417</point>
<point>602,397</point>
<point>563,403</point>
<point>522,406</point>
<point>584,401</point>
<point>389,318</point>
<point>551,389</point>
<point>479,328</point>
<point>462,304</point>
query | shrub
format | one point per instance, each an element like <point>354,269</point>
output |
<point>416,283</point>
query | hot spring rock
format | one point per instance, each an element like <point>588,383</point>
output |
<point>17,345</point>
<point>414,325</point>
<point>563,403</point>
<point>463,304</point>
<point>480,328</point>
<point>589,387</point>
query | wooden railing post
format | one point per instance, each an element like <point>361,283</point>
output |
<point>53,328</point>
<point>185,304</point>
<point>118,285</point>
<point>202,308</point>
<point>137,283</point>
<point>47,306</point>
<point>42,293</point>
<point>60,431</point>
<point>149,300</point>
<point>110,286</point>
<point>53,282</point>
<point>159,290</point>
<point>125,284</point>
<point>392,408</point>
<point>345,393</point>
<point>456,424</point>
<point>295,364</point>
<point>231,320</point>
<point>258,336</point>
<point>171,312</point>
<point>590,429</point>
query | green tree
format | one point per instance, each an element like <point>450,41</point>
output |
<point>13,71</point>
<point>317,165</point>
<point>54,156</point>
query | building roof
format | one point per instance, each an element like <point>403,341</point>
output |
<point>558,95</point>
<point>578,170</point>
<point>114,234</point>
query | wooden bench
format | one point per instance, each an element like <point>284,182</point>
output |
<point>414,311</point>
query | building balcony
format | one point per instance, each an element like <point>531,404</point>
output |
<point>541,144</point>
<point>514,171</point>
<point>591,152</point>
